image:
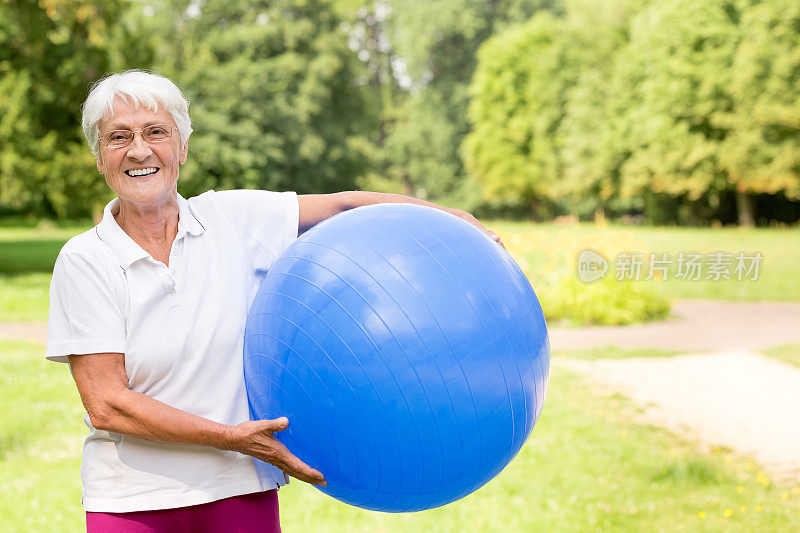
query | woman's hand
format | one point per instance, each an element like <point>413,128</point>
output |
<point>256,439</point>
<point>474,221</point>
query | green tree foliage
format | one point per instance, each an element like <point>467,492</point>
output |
<point>437,43</point>
<point>50,51</point>
<point>678,109</point>
<point>592,135</point>
<point>762,152</point>
<point>543,128</point>
<point>519,98</point>
<point>617,103</point>
<point>275,99</point>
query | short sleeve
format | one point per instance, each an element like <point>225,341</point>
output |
<point>265,221</point>
<point>85,314</point>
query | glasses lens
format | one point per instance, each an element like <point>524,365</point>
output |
<point>118,138</point>
<point>157,133</point>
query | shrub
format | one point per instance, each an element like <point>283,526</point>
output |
<point>549,259</point>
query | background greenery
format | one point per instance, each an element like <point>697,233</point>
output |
<point>679,111</point>
<point>628,111</point>
<point>547,253</point>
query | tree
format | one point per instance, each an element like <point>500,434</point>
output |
<point>275,99</point>
<point>762,153</point>
<point>519,96</point>
<point>592,147</point>
<point>50,52</point>
<point>437,43</point>
<point>679,105</point>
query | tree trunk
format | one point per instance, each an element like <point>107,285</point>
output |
<point>599,214</point>
<point>408,189</point>
<point>745,209</point>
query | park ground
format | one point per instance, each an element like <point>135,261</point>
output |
<point>606,455</point>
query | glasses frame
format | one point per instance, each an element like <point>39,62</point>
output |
<point>107,144</point>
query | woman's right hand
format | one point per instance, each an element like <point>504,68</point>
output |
<point>257,440</point>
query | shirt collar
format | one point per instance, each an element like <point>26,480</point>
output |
<point>124,248</point>
<point>188,221</point>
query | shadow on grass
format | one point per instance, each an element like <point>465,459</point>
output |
<point>29,256</point>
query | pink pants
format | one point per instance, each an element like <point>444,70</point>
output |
<point>249,513</point>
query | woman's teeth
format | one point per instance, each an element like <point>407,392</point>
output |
<point>135,173</point>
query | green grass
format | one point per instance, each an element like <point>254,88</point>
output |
<point>24,297</point>
<point>27,256</point>
<point>546,252</point>
<point>615,352</point>
<point>780,248</point>
<point>41,433</point>
<point>788,353</point>
<point>588,466</point>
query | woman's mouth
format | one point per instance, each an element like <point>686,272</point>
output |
<point>141,172</point>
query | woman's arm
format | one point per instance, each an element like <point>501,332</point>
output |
<point>112,406</point>
<point>314,208</point>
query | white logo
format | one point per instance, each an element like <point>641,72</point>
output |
<point>591,266</point>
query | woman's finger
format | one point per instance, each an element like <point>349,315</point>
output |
<point>296,468</point>
<point>279,424</point>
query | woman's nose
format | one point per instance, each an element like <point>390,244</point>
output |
<point>139,149</point>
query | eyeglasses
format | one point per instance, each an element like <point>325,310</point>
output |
<point>157,133</point>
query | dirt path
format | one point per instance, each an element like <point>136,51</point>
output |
<point>697,325</point>
<point>730,397</point>
<point>29,331</point>
<point>741,400</point>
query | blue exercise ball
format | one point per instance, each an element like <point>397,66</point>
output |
<point>406,348</point>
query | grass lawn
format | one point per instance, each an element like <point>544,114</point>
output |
<point>615,352</point>
<point>779,268</point>
<point>588,466</point>
<point>788,353</point>
<point>547,252</point>
<point>27,256</point>
<point>41,436</point>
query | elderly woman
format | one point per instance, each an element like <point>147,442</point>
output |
<point>149,309</point>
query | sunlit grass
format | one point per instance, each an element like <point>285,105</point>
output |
<point>546,252</point>
<point>41,433</point>
<point>615,352</point>
<point>777,280</point>
<point>587,467</point>
<point>24,297</point>
<point>27,255</point>
<point>788,353</point>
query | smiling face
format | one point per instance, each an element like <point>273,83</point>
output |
<point>144,175</point>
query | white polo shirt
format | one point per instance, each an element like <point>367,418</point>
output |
<point>181,329</point>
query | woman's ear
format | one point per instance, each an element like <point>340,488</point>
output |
<point>184,153</point>
<point>99,164</point>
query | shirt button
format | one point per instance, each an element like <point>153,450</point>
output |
<point>172,292</point>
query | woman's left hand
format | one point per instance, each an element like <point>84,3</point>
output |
<point>474,221</point>
<point>256,438</point>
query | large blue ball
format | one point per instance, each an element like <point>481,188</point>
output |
<point>406,348</point>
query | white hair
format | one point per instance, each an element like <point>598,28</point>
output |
<point>138,87</point>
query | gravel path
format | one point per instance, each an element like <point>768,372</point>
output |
<point>697,325</point>
<point>741,400</point>
<point>730,397</point>
<point>29,331</point>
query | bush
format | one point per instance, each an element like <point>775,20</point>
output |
<point>549,259</point>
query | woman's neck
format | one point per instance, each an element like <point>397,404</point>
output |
<point>152,227</point>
